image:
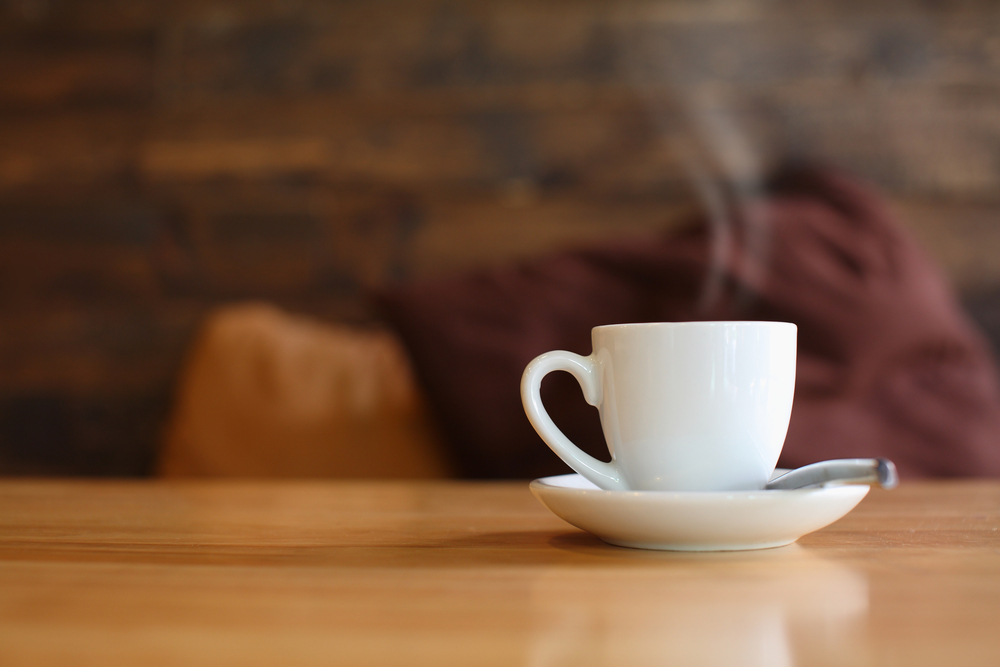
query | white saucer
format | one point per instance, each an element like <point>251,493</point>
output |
<point>696,521</point>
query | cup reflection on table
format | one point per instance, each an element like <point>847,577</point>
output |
<point>771,608</point>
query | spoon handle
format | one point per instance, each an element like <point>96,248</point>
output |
<point>845,471</point>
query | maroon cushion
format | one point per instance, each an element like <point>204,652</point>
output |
<point>888,363</point>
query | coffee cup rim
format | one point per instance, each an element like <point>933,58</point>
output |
<point>698,323</point>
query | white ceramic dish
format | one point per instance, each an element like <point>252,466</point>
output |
<point>696,521</point>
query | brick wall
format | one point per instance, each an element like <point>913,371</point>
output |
<point>158,158</point>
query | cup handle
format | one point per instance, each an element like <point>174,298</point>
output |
<point>604,475</point>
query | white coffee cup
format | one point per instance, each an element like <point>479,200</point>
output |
<point>685,406</point>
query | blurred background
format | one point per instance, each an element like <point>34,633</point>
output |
<point>159,159</point>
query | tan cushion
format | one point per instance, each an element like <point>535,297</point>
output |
<point>265,393</point>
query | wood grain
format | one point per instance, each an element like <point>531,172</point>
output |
<point>449,573</point>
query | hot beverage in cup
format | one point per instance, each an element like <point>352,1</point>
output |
<point>684,406</point>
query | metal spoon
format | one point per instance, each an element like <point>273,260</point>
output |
<point>844,471</point>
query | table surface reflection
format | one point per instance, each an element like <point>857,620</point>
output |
<point>380,573</point>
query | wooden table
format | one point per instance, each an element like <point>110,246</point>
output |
<point>224,573</point>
